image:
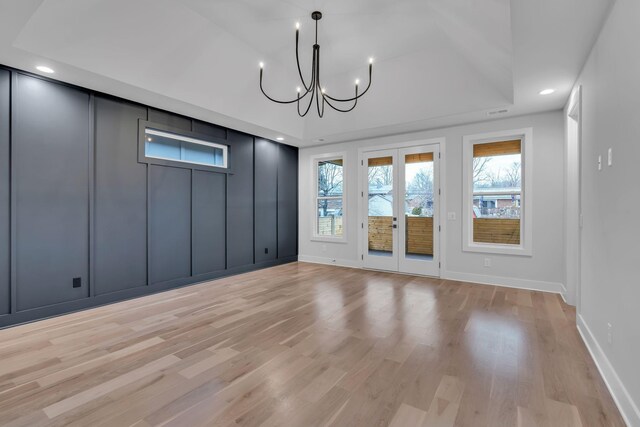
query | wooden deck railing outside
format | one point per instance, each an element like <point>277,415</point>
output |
<point>419,237</point>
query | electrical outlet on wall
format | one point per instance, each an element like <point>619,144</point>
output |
<point>487,262</point>
<point>610,333</point>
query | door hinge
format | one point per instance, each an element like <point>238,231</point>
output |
<point>439,155</point>
<point>361,162</point>
<point>362,225</point>
<point>362,194</point>
<point>439,192</point>
<point>362,257</point>
<point>439,228</point>
<point>439,265</point>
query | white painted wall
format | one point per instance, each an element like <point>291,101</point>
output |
<point>610,284</point>
<point>572,199</point>
<point>544,270</point>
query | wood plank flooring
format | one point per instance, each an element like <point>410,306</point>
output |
<point>308,345</point>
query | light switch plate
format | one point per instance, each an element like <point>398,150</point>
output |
<point>610,157</point>
<point>599,163</point>
<point>451,216</point>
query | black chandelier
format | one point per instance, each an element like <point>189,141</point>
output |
<point>315,88</point>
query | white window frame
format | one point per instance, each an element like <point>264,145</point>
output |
<point>525,248</point>
<point>178,137</point>
<point>314,201</point>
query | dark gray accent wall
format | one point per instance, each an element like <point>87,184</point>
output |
<point>209,222</point>
<point>168,119</point>
<point>5,295</point>
<point>77,201</point>
<point>266,200</point>
<point>240,201</point>
<point>120,198</point>
<point>287,205</point>
<point>169,223</point>
<point>50,174</point>
<point>209,129</point>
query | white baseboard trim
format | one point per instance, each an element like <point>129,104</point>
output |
<point>329,261</point>
<point>508,282</point>
<point>563,293</point>
<point>621,396</point>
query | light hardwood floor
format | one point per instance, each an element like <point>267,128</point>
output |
<point>306,345</point>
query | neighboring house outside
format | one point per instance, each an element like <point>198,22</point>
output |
<point>381,202</point>
<point>488,204</point>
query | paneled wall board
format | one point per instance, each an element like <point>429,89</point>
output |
<point>240,201</point>
<point>5,295</point>
<point>209,129</point>
<point>209,222</point>
<point>50,174</point>
<point>287,205</point>
<point>168,119</point>
<point>169,223</point>
<point>120,198</point>
<point>266,200</point>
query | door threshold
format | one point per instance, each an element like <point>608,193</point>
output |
<point>400,272</point>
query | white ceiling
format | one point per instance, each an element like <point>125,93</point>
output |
<point>437,62</point>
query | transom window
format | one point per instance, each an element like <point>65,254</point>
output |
<point>179,148</point>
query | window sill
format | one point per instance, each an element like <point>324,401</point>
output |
<point>498,249</point>
<point>328,239</point>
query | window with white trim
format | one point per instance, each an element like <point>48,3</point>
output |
<point>497,192</point>
<point>329,198</point>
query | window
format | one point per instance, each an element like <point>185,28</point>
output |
<point>497,179</point>
<point>329,198</point>
<point>179,148</point>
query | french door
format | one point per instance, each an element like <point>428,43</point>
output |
<point>400,210</point>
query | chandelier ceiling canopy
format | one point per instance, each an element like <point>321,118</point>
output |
<point>307,93</point>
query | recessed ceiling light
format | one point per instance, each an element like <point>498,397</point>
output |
<point>45,69</point>
<point>280,138</point>
<point>547,91</point>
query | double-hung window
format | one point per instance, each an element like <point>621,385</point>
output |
<point>497,196</point>
<point>329,198</point>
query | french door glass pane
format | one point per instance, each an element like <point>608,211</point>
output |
<point>380,202</point>
<point>419,206</point>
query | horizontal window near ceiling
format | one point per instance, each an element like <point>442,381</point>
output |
<point>169,146</point>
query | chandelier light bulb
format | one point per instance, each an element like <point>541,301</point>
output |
<point>262,65</point>
<point>324,90</point>
<point>298,89</point>
<point>371,60</point>
<point>357,82</point>
<point>297,25</point>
